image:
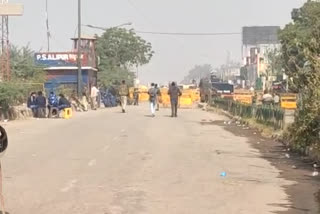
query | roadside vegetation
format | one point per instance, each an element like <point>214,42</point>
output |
<point>300,52</point>
<point>25,76</point>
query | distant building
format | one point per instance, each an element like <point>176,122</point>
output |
<point>256,42</point>
<point>61,67</point>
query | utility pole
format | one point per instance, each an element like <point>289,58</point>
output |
<point>5,48</point>
<point>79,50</point>
<point>47,23</point>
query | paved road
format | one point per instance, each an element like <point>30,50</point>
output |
<point>112,163</point>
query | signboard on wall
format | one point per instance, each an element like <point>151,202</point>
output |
<point>59,59</point>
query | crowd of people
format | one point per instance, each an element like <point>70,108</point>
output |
<point>43,107</point>
<point>154,97</point>
<point>39,104</point>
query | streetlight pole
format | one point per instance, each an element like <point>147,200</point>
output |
<point>79,50</point>
<point>48,29</point>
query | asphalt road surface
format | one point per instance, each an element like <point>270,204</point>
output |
<point>105,162</point>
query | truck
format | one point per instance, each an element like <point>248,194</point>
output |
<point>214,87</point>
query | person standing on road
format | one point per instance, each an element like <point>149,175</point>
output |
<point>41,103</point>
<point>174,93</point>
<point>136,96</point>
<point>158,97</point>
<point>153,99</point>
<point>123,93</point>
<point>276,100</point>
<point>267,98</point>
<point>32,103</point>
<point>84,101</point>
<point>94,95</point>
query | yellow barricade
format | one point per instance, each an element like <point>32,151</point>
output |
<point>288,101</point>
<point>244,98</point>
<point>185,101</point>
<point>165,98</point>
<point>193,93</point>
<point>143,96</point>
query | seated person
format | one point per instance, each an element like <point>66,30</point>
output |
<point>32,103</point>
<point>63,102</point>
<point>41,103</point>
<point>52,102</point>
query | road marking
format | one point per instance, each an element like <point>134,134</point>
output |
<point>69,186</point>
<point>92,162</point>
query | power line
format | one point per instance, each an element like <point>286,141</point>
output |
<point>188,34</point>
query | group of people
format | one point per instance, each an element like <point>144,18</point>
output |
<point>154,97</point>
<point>267,99</point>
<point>39,104</point>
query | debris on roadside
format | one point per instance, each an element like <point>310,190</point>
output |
<point>287,155</point>
<point>218,152</point>
<point>223,174</point>
<point>315,173</point>
<point>294,167</point>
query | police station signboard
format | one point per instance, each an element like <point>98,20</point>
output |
<point>59,59</point>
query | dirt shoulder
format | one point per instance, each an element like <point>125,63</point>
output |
<point>304,195</point>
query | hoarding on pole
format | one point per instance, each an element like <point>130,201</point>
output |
<point>9,9</point>
<point>260,35</point>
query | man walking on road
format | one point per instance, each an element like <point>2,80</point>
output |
<point>174,93</point>
<point>123,93</point>
<point>153,99</point>
<point>158,97</point>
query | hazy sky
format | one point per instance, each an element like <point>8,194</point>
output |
<point>175,55</point>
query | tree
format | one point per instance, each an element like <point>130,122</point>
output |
<point>300,53</point>
<point>24,75</point>
<point>23,67</point>
<point>119,51</point>
<point>274,62</point>
<point>198,72</point>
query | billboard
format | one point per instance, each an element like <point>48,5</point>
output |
<point>56,59</point>
<point>7,9</point>
<point>260,35</point>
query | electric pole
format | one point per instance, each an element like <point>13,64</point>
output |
<point>79,51</point>
<point>47,24</point>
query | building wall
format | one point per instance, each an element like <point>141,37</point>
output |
<point>57,78</point>
<point>255,59</point>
